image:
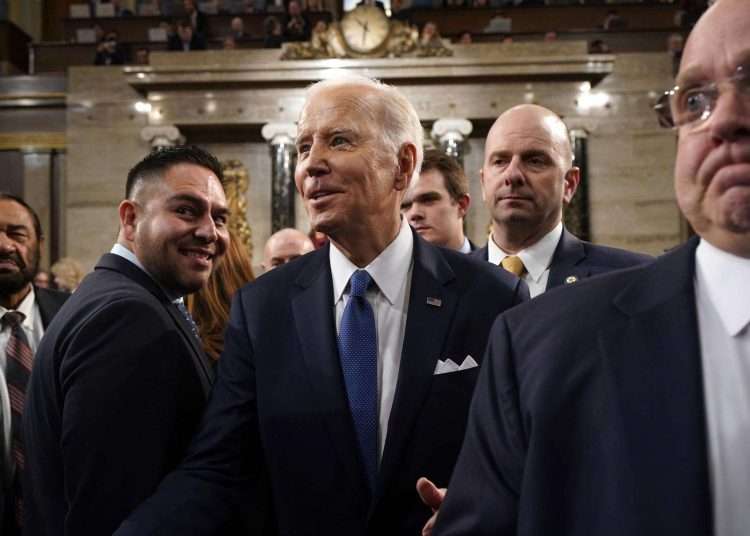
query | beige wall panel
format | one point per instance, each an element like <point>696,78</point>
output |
<point>90,232</point>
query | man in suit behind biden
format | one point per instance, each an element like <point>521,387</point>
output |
<point>527,177</point>
<point>622,406</point>
<point>347,373</point>
<point>120,381</point>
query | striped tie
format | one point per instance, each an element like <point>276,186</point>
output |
<point>17,372</point>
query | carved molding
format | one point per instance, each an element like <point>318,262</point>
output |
<point>236,184</point>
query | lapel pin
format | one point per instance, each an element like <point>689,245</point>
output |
<point>435,302</point>
<point>570,279</point>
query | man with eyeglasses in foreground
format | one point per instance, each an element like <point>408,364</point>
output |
<point>622,406</point>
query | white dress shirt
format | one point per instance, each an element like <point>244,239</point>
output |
<point>536,258</point>
<point>391,272</point>
<point>34,329</point>
<point>722,295</point>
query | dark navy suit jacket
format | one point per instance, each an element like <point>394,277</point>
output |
<point>49,302</point>
<point>117,390</point>
<point>279,418</point>
<point>579,259</point>
<point>589,416</point>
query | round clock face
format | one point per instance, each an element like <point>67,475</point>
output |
<point>365,28</point>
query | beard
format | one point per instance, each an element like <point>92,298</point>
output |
<point>13,282</point>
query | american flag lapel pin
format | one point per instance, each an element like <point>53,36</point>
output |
<point>435,302</point>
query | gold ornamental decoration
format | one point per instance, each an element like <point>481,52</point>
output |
<point>236,182</point>
<point>364,32</point>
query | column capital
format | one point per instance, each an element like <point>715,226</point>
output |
<point>279,132</point>
<point>162,135</point>
<point>456,128</point>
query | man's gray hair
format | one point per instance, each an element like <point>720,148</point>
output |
<point>400,121</point>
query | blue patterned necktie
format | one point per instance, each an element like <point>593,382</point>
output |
<point>358,351</point>
<point>180,304</point>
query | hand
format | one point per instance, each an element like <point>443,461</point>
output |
<point>433,497</point>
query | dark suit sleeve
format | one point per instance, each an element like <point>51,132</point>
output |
<point>120,407</point>
<point>221,485</point>
<point>483,493</point>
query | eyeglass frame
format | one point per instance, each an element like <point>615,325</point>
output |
<point>663,105</point>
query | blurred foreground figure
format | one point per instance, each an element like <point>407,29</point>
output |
<point>622,406</point>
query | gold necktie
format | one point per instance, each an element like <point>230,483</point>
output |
<point>514,265</point>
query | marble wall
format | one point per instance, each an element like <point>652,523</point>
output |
<point>223,107</point>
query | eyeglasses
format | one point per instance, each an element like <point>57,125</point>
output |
<point>682,106</point>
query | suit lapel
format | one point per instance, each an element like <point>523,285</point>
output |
<point>655,366</point>
<point>313,310</point>
<point>200,359</point>
<point>566,261</point>
<point>204,370</point>
<point>427,327</point>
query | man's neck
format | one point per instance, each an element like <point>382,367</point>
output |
<point>512,240</point>
<point>362,246</point>
<point>457,243</point>
<point>12,301</point>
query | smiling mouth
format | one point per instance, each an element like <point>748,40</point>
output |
<point>198,255</point>
<point>9,263</point>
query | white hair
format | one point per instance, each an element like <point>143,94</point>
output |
<point>399,119</point>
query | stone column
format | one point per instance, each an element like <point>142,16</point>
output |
<point>162,136</point>
<point>280,137</point>
<point>451,134</point>
<point>577,212</point>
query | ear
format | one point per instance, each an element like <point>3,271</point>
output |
<point>128,211</point>
<point>570,183</point>
<point>407,163</point>
<point>463,204</point>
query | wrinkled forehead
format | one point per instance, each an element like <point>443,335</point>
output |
<point>12,213</point>
<point>351,105</point>
<point>718,44</point>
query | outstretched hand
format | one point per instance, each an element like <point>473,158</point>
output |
<point>433,497</point>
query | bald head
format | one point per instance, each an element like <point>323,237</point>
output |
<point>283,246</point>
<point>534,121</point>
<point>527,175</point>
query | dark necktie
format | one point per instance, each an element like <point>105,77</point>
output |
<point>17,372</point>
<point>180,304</point>
<point>358,351</point>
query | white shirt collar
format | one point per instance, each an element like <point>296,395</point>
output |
<point>26,307</point>
<point>466,246</point>
<point>725,278</point>
<point>536,258</point>
<point>125,253</point>
<point>388,269</point>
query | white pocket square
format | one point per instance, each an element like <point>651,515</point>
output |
<point>447,366</point>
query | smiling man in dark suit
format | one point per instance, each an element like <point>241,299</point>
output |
<point>347,373</point>
<point>120,379</point>
<point>527,177</point>
<point>622,406</point>
<point>25,313</point>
